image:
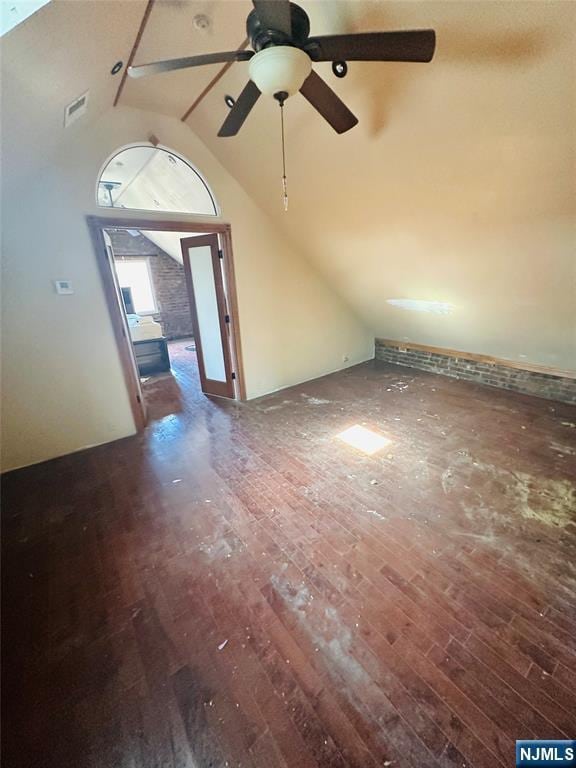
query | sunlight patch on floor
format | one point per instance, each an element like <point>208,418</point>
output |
<point>363,439</point>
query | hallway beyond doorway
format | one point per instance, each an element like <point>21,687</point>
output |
<point>175,391</point>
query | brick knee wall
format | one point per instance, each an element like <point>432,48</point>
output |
<point>500,375</point>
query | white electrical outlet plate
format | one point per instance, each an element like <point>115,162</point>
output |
<point>63,287</point>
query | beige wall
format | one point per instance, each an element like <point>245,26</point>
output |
<point>62,384</point>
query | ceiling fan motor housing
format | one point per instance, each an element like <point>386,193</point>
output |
<point>262,37</point>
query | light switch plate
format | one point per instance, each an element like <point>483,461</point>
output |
<point>63,286</point>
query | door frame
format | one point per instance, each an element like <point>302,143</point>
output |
<point>96,226</point>
<point>219,388</point>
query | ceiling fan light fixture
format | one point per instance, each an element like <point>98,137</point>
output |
<point>280,68</point>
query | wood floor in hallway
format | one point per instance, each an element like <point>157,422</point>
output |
<point>236,586</point>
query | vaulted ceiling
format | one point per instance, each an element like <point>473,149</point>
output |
<point>456,186</point>
<point>60,52</point>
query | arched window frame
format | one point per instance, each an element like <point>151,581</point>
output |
<point>169,151</point>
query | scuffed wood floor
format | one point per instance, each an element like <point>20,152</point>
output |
<point>236,587</point>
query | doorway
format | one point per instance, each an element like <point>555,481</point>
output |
<point>172,358</point>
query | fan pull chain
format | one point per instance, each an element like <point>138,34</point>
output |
<point>284,183</point>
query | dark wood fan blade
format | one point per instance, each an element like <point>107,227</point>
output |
<point>274,14</point>
<point>157,67</point>
<point>415,45</point>
<point>240,110</point>
<point>330,106</point>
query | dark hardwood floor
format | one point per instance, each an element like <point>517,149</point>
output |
<point>237,587</point>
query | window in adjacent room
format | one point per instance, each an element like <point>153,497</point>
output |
<point>135,281</point>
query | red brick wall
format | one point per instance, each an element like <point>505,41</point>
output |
<point>492,374</point>
<point>168,279</point>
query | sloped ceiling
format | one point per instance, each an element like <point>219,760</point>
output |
<point>56,55</point>
<point>457,186</point>
<point>171,33</point>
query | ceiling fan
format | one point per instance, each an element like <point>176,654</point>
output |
<point>282,56</point>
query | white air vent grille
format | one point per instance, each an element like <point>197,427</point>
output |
<point>76,109</point>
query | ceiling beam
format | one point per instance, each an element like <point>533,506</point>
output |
<point>221,72</point>
<point>137,41</point>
